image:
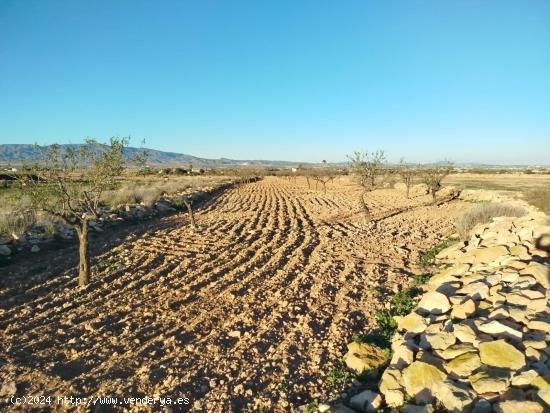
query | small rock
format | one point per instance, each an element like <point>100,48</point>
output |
<point>524,379</point>
<point>542,325</point>
<point>464,310</point>
<point>365,357</point>
<point>489,254</point>
<point>540,383</point>
<point>515,406</point>
<point>506,311</point>
<point>402,355</point>
<point>434,302</point>
<point>440,279</point>
<point>421,379</point>
<point>465,333</point>
<point>476,291</point>
<point>497,329</point>
<point>456,398</point>
<point>518,265</point>
<point>164,207</point>
<point>456,350</point>
<point>533,354</point>
<point>5,250</point>
<point>438,341</point>
<point>35,248</point>
<point>490,380</point>
<point>322,407</point>
<point>544,395</point>
<point>463,365</point>
<point>366,401</point>
<point>8,389</point>
<point>482,406</point>
<point>539,271</point>
<point>499,353</point>
<point>451,252</point>
<point>520,251</point>
<point>412,323</point>
<point>391,387</point>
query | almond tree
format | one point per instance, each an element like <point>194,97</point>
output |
<point>324,175</point>
<point>68,183</point>
<point>140,160</point>
<point>367,168</point>
<point>308,175</point>
<point>432,176</point>
<point>407,173</point>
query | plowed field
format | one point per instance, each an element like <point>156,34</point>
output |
<point>252,309</point>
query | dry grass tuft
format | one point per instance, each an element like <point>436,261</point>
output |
<point>133,194</point>
<point>16,216</point>
<point>146,192</point>
<point>540,198</point>
<point>484,213</point>
<point>16,222</point>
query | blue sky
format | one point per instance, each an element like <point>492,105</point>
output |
<point>465,80</point>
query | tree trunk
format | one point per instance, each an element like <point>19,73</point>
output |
<point>408,189</point>
<point>364,206</point>
<point>191,214</point>
<point>84,253</point>
<point>433,196</point>
<point>307,179</point>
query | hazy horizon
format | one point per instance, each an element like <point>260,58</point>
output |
<point>306,81</point>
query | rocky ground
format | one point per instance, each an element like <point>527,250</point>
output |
<point>478,339</point>
<point>249,312</point>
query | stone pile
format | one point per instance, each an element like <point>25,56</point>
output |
<point>478,339</point>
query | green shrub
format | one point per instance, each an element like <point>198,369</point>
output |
<point>427,258</point>
<point>383,334</point>
<point>385,320</point>
<point>422,279</point>
<point>339,377</point>
<point>402,303</point>
<point>311,407</point>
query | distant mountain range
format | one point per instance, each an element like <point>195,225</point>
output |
<point>14,154</point>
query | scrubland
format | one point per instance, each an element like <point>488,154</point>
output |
<point>17,215</point>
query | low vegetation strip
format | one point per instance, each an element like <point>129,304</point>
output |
<point>24,230</point>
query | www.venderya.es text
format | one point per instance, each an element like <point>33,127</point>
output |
<point>97,400</point>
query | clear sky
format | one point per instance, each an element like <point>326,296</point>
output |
<point>465,80</point>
